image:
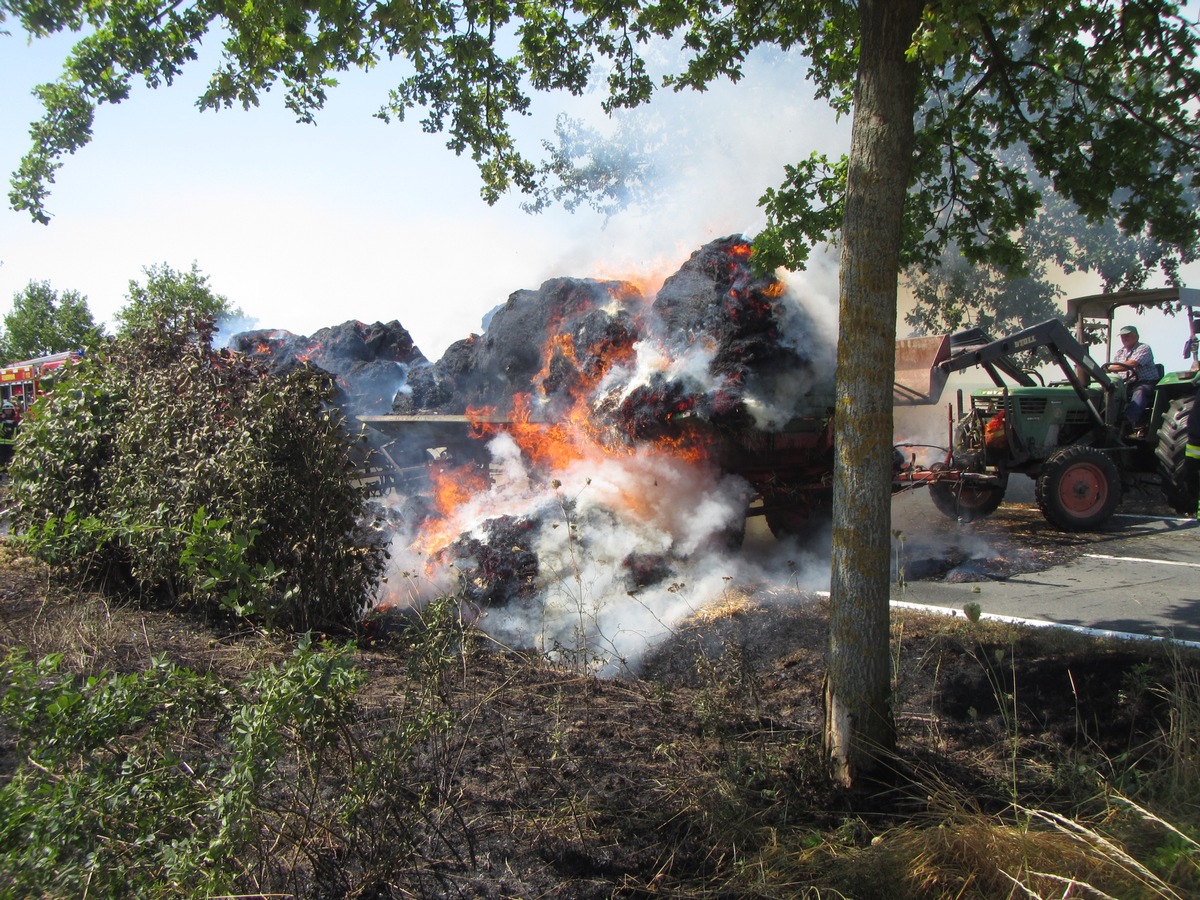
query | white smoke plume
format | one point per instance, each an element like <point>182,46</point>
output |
<point>587,608</point>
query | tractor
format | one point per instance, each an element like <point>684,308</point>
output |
<point>1070,436</point>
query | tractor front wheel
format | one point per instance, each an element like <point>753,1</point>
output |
<point>1078,488</point>
<point>967,502</point>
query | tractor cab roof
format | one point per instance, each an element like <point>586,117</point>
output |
<point>1102,306</point>
<point>1096,312</point>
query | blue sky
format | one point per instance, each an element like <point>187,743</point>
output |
<point>304,227</point>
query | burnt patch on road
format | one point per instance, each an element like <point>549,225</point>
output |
<point>1015,540</point>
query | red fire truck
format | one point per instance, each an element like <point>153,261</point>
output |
<point>23,382</point>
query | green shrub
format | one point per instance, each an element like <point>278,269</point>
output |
<point>168,783</point>
<point>163,464</point>
<point>106,799</point>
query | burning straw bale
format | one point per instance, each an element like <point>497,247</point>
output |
<point>717,299</point>
<point>500,563</point>
<point>720,338</point>
<point>367,363</point>
<point>572,319</point>
<point>587,400</point>
<point>723,340</point>
<point>716,296</point>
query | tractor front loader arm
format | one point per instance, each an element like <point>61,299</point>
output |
<point>995,357</point>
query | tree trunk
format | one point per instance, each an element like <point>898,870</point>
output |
<point>859,728</point>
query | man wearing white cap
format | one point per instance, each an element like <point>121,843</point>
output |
<point>1135,361</point>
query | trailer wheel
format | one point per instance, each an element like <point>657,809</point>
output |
<point>967,502</point>
<point>1177,484</point>
<point>786,523</point>
<point>1078,488</point>
<point>793,518</point>
<point>726,540</point>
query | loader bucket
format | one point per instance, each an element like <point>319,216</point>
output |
<point>919,379</point>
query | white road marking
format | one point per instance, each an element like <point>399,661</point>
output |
<point>1139,559</point>
<point>1140,518</point>
<point>1042,623</point>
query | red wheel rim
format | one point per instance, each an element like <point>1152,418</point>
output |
<point>973,497</point>
<point>1083,489</point>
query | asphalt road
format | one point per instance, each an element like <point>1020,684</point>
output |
<point>1140,576</point>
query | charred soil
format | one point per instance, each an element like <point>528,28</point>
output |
<point>687,778</point>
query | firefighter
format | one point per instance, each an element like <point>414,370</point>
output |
<point>8,433</point>
<point>1192,462</point>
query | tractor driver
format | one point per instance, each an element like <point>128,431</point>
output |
<point>1135,361</point>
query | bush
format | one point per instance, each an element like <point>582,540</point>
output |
<point>161,463</point>
<point>171,783</point>
<point>104,798</point>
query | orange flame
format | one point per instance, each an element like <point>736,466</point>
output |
<point>452,487</point>
<point>576,433</point>
<point>483,421</point>
<point>306,355</point>
<point>551,446</point>
<point>690,445</point>
<point>455,485</point>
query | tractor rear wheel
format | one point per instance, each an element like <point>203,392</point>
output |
<point>1078,488</point>
<point>1177,483</point>
<point>967,502</point>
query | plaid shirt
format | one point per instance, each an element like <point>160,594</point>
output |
<point>1139,355</point>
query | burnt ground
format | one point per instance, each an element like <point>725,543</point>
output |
<point>552,783</point>
<point>1014,540</point>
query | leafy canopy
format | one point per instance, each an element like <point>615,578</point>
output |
<point>956,293</point>
<point>169,299</point>
<point>1022,105</point>
<point>42,322</point>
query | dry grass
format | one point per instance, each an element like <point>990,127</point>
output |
<point>84,628</point>
<point>1181,734</point>
<point>1030,854</point>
